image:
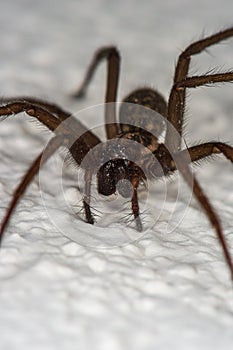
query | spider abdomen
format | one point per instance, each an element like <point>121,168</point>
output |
<point>143,109</point>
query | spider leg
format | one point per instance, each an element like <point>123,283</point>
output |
<point>54,144</point>
<point>53,108</point>
<point>135,205</point>
<point>65,135</point>
<point>195,81</point>
<point>32,110</point>
<point>113,58</point>
<point>183,167</point>
<point>176,102</point>
<point>86,198</point>
<point>209,148</point>
<point>69,127</point>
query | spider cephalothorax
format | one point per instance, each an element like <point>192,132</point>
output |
<point>133,151</point>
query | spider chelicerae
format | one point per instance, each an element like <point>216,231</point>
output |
<point>161,159</point>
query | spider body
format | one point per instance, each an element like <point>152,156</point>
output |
<point>138,125</point>
<point>133,151</point>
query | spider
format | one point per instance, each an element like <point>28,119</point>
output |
<point>169,155</point>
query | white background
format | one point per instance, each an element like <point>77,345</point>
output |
<point>165,291</point>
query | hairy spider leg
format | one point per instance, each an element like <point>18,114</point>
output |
<point>205,150</point>
<point>195,155</point>
<point>113,71</point>
<point>54,144</point>
<point>180,160</point>
<point>198,152</point>
<point>87,141</point>
<point>176,104</point>
<point>135,205</point>
<point>209,148</point>
<point>87,197</point>
<point>53,108</point>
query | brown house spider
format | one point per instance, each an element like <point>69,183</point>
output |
<point>121,168</point>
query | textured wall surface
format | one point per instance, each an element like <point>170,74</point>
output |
<point>69,289</point>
